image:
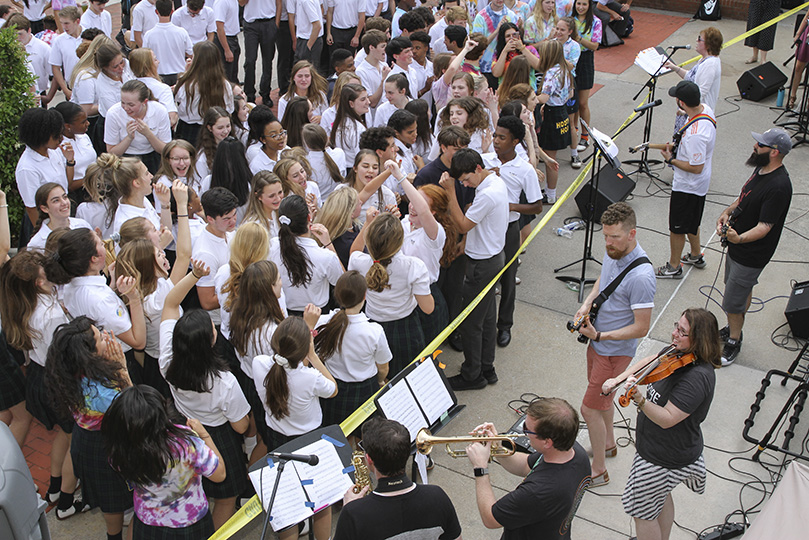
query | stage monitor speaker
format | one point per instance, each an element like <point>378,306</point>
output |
<point>761,81</point>
<point>797,311</point>
<point>613,186</point>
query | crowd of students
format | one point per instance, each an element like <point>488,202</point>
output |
<point>194,259</point>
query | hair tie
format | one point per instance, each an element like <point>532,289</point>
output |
<point>377,262</point>
<point>284,220</point>
<point>281,361</point>
<point>116,237</point>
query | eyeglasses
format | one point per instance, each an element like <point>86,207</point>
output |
<point>529,432</point>
<point>178,159</point>
<point>359,445</point>
<point>679,330</point>
<point>275,136</point>
<point>699,38</point>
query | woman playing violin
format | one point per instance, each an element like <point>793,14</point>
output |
<point>669,439</point>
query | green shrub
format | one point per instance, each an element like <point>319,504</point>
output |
<point>15,98</point>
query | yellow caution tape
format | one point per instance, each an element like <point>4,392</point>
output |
<point>253,508</point>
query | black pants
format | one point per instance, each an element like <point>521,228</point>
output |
<point>170,79</point>
<point>451,282</point>
<point>286,54</point>
<point>508,281</point>
<point>342,40</point>
<point>619,27</point>
<point>231,68</point>
<point>259,33</point>
<point>303,52</point>
<point>479,330</point>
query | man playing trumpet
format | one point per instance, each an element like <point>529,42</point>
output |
<point>543,505</point>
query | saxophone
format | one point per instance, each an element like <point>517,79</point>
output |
<point>361,476</point>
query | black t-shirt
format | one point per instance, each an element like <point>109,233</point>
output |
<point>425,513</point>
<point>342,244</point>
<point>543,505</point>
<point>764,199</point>
<point>690,389</point>
<point>431,174</point>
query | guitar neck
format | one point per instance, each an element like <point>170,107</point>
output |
<point>656,146</point>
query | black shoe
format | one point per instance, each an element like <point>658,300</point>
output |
<point>724,334</point>
<point>490,376</point>
<point>455,342</point>
<point>730,351</point>
<point>503,337</point>
<point>459,383</point>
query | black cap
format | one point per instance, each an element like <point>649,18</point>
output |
<point>687,92</point>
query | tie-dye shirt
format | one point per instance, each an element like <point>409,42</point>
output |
<point>486,21</point>
<point>593,35</point>
<point>537,31</point>
<point>557,86</point>
<point>178,500</point>
<point>564,8</point>
<point>97,399</point>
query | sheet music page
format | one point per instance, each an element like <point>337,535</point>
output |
<point>432,395</point>
<point>328,481</point>
<point>399,404</point>
<point>290,505</point>
<point>649,60</point>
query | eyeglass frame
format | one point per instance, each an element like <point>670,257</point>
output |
<point>679,331</point>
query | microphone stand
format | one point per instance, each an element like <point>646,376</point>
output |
<point>644,162</point>
<point>281,464</point>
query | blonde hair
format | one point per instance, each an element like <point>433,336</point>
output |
<point>109,179</point>
<point>142,64</point>
<point>250,244</point>
<point>87,60</point>
<point>540,20</point>
<point>343,79</point>
<point>255,209</point>
<point>282,168</point>
<point>337,211</point>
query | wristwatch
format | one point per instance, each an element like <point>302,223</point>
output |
<point>480,471</point>
<point>668,161</point>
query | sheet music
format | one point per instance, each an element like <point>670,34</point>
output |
<point>399,404</point>
<point>289,506</point>
<point>430,391</point>
<point>329,482</point>
<point>650,60</point>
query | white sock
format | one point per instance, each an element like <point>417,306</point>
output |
<point>574,152</point>
<point>250,444</point>
<point>551,193</point>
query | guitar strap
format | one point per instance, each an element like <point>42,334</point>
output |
<point>605,294</point>
<point>679,135</point>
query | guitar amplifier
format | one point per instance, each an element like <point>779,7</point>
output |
<point>797,311</point>
<point>761,81</point>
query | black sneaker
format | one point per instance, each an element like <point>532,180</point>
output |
<point>696,262</point>
<point>730,351</point>
<point>78,507</point>
<point>724,334</point>
<point>490,376</point>
<point>459,383</point>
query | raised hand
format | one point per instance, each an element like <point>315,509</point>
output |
<point>180,191</point>
<point>199,268</point>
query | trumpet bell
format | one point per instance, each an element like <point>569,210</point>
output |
<point>425,442</point>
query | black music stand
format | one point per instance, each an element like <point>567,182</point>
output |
<point>644,163</point>
<point>590,218</point>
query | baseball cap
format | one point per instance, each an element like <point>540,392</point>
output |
<point>687,92</point>
<point>774,138</point>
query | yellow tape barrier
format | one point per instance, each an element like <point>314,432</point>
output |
<point>253,508</point>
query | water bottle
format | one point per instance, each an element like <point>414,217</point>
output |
<point>567,230</point>
<point>779,102</point>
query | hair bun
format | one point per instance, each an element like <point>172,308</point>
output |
<point>108,161</point>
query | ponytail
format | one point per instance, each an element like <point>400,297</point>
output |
<point>349,292</point>
<point>72,256</point>
<point>383,237</point>
<point>294,221</point>
<point>291,345</point>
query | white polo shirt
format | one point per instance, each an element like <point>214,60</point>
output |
<point>259,9</point>
<point>227,12</point>
<point>84,88</point>
<point>108,91</point>
<point>320,173</point>
<point>171,44</point>
<point>84,153</point>
<point>214,252</point>
<point>418,244</point>
<point>161,92</point>
<point>437,37</point>
<point>46,318</point>
<point>197,27</point>
<point>364,346</point>
<point>144,16</point>
<point>153,310</point>
<point>412,78</point>
<point>220,278</point>
<point>95,213</point>
<point>39,54</point>
<point>224,402</point>
<point>34,169</point>
<point>63,52</point>
<point>307,12</point>
<point>326,269</point>
<point>346,13</point>
<point>383,113</point>
<point>489,211</point>
<point>125,212</point>
<point>157,118</point>
<point>408,277</point>
<point>370,7</point>
<point>91,296</point>
<point>306,386</point>
<point>347,138</point>
<point>519,177</point>
<point>35,10</point>
<point>38,240</point>
<point>102,21</point>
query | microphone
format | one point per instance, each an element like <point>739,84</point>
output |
<point>678,47</point>
<point>655,103</point>
<point>311,459</point>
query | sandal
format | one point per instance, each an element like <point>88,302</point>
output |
<point>791,103</point>
<point>751,61</point>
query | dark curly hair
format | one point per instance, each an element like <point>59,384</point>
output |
<point>38,126</point>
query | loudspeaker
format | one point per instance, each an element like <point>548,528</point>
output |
<point>613,186</point>
<point>761,81</point>
<point>797,311</point>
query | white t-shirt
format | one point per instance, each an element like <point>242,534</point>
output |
<point>227,12</point>
<point>45,319</point>
<point>371,5</point>
<point>371,78</point>
<point>63,52</point>
<point>91,296</point>
<point>408,276</point>
<point>170,44</point>
<point>84,153</point>
<point>189,112</point>
<point>346,13</point>
<point>327,119</point>
<point>214,252</point>
<point>102,21</point>
<point>197,27</point>
<point>307,12</point>
<point>708,78</point>
<point>364,346</point>
<point>125,212</point>
<point>34,169</point>
<point>35,10</point>
<point>39,54</point>
<point>224,402</point>
<point>162,93</point>
<point>324,265</point>
<point>84,88</point>
<point>38,240</point>
<point>157,118</point>
<point>108,91</point>
<point>144,16</point>
<point>306,386</point>
<point>95,213</point>
<point>696,147</point>
<point>519,177</point>
<point>383,113</point>
<point>259,160</point>
<point>153,311</point>
<point>418,244</point>
<point>489,211</point>
<point>259,10</point>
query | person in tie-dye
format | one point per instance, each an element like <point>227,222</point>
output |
<point>487,22</point>
<point>165,462</point>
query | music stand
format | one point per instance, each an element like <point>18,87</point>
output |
<point>587,255</point>
<point>644,162</point>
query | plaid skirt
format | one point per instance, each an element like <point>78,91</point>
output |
<point>256,405</point>
<point>350,395</point>
<point>585,71</point>
<point>187,132</point>
<point>273,439</point>
<point>101,486</point>
<point>153,377</point>
<point>405,339</point>
<point>229,444</point>
<point>96,133</point>
<point>649,485</point>
<point>435,322</point>
<point>555,131</point>
<point>38,401</point>
<point>151,160</point>
<point>201,529</point>
<point>12,380</point>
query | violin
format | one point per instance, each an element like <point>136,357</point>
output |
<point>664,364</point>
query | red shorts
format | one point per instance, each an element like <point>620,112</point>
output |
<point>599,369</point>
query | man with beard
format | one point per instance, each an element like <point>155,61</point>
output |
<point>752,226</point>
<point>622,318</point>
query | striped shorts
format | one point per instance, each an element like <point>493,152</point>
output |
<point>649,485</point>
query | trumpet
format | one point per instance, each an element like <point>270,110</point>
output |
<point>425,441</point>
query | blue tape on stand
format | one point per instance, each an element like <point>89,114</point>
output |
<point>307,482</point>
<point>335,442</point>
<point>310,504</point>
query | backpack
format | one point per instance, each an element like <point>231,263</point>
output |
<point>709,10</point>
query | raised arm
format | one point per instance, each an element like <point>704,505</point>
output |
<point>420,205</point>
<point>180,268</point>
<point>171,306</point>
